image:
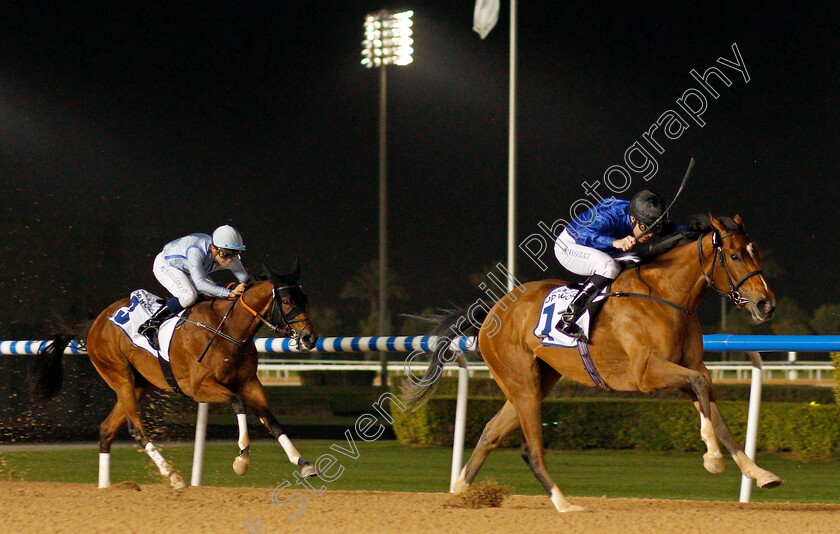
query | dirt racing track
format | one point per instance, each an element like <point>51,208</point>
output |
<point>128,508</point>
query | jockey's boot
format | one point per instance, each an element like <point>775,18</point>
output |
<point>149,329</point>
<point>568,319</point>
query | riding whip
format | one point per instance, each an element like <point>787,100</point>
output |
<point>664,213</point>
<point>218,329</point>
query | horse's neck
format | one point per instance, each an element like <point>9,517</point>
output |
<point>676,276</point>
<point>258,299</point>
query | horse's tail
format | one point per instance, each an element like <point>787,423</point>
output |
<point>449,324</point>
<point>47,371</point>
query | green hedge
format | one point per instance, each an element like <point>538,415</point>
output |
<point>487,387</point>
<point>835,358</point>
<point>808,431</point>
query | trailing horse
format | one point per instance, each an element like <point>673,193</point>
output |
<point>212,359</point>
<point>647,338</point>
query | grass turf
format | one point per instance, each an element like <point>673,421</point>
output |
<point>391,466</point>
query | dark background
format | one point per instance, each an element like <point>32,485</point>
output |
<point>125,126</point>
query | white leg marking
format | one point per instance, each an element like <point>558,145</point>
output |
<point>290,449</point>
<point>244,441</point>
<point>713,459</point>
<point>158,459</point>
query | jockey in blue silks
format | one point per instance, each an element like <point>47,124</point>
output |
<point>587,246</point>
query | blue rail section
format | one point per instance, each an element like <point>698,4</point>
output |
<point>34,347</point>
<point>724,342</point>
<point>712,342</point>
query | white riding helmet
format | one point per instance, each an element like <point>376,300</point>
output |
<point>227,237</point>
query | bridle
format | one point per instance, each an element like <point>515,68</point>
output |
<point>720,257</point>
<point>275,311</point>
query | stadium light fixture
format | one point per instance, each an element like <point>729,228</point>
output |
<point>388,39</point>
<point>387,42</point>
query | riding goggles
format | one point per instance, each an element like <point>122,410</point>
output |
<point>644,227</point>
<point>225,254</point>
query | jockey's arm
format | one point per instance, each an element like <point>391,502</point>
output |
<point>200,277</point>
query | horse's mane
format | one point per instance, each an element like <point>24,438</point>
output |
<point>695,226</point>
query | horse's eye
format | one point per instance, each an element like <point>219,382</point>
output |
<point>735,257</point>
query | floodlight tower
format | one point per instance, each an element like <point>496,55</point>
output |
<point>387,42</point>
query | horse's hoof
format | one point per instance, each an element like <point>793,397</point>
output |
<point>177,482</point>
<point>713,462</point>
<point>561,504</point>
<point>308,470</point>
<point>768,480</point>
<point>240,465</point>
<point>571,508</point>
<point>460,486</point>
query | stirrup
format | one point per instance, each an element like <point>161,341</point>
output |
<point>151,333</point>
<point>570,329</point>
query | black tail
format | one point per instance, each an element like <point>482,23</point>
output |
<point>415,392</point>
<point>47,373</point>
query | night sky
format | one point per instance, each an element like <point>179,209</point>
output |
<point>123,127</point>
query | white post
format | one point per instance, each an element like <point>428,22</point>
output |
<point>200,435</point>
<point>460,422</point>
<point>793,374</point>
<point>512,129</point>
<point>752,422</point>
<point>104,470</point>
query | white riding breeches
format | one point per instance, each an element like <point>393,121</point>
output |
<point>584,260</point>
<point>176,281</point>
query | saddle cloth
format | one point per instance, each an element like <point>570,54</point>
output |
<point>130,318</point>
<point>555,303</point>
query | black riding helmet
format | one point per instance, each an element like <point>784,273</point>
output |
<point>646,206</point>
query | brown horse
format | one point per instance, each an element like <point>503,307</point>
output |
<point>226,373</point>
<point>647,339</point>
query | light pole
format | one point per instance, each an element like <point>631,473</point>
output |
<point>387,42</point>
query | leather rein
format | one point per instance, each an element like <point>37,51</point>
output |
<point>286,319</point>
<point>718,257</point>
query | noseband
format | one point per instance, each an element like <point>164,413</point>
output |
<point>720,257</point>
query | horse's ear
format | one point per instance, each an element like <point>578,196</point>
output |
<point>296,269</point>
<point>739,222</point>
<point>269,274</point>
<point>716,224</point>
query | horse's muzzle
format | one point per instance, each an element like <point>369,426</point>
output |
<point>762,310</point>
<point>308,338</point>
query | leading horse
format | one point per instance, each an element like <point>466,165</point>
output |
<point>219,329</point>
<point>647,337</point>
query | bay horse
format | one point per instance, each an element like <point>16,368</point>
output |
<point>647,337</point>
<point>226,373</point>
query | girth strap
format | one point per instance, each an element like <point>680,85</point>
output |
<point>589,365</point>
<point>166,367</point>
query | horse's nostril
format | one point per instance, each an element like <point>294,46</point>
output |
<point>765,306</point>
